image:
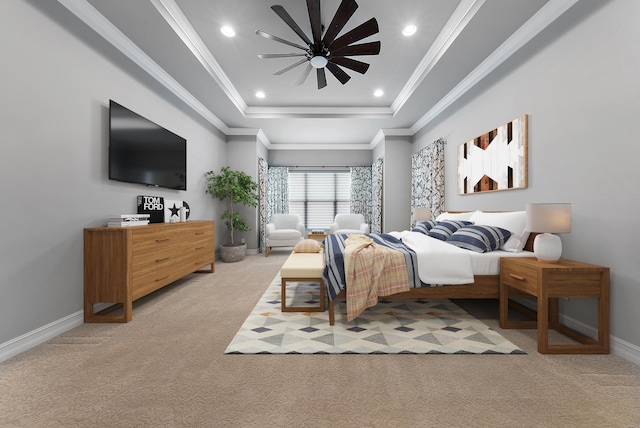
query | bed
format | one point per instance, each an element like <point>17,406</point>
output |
<point>478,279</point>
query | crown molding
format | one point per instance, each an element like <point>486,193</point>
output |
<point>538,22</point>
<point>382,134</point>
<point>180,24</point>
<point>325,146</point>
<point>457,22</point>
<point>319,112</point>
<point>101,25</point>
<point>174,16</point>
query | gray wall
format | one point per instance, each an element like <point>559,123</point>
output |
<point>54,120</point>
<point>319,158</point>
<point>582,95</point>
<point>396,179</point>
<point>242,155</point>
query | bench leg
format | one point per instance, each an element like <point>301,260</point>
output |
<point>332,317</point>
<point>283,296</point>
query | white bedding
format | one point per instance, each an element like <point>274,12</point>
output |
<point>489,263</point>
<point>438,262</point>
<point>442,263</point>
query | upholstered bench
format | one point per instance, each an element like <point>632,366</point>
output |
<point>302,267</point>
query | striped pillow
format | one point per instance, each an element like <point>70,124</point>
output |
<point>444,229</point>
<point>424,226</point>
<point>480,238</point>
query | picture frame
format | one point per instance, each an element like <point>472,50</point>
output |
<point>496,160</point>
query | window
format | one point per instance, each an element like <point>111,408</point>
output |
<point>318,196</point>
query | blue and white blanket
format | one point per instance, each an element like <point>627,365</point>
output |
<point>429,261</point>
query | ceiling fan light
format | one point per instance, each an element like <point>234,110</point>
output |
<point>318,62</point>
<point>409,30</point>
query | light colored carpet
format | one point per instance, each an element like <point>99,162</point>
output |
<point>393,326</point>
<point>167,368</point>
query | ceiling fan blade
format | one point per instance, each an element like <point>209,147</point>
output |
<point>338,73</point>
<point>345,11</point>
<point>284,70</point>
<point>284,15</point>
<point>314,18</point>
<point>322,78</point>
<point>367,29</point>
<point>304,75</point>
<point>265,56</point>
<point>352,64</point>
<point>371,48</point>
<point>278,39</point>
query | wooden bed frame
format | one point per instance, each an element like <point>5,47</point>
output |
<point>483,287</point>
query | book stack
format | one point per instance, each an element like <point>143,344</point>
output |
<point>317,231</point>
<point>128,220</point>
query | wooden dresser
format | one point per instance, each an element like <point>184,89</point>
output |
<point>122,264</point>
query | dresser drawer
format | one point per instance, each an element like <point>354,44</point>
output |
<point>520,277</point>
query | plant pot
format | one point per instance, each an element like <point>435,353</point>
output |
<point>230,253</point>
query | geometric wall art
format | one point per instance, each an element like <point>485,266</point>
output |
<point>496,160</point>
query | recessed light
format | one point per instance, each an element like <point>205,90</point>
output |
<point>260,94</point>
<point>409,30</point>
<point>378,93</point>
<point>228,31</point>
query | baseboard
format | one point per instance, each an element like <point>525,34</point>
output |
<point>40,335</point>
<point>619,347</point>
<point>13,347</point>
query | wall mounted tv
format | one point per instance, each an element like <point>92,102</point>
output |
<point>143,152</point>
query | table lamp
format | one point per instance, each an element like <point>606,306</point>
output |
<point>548,219</point>
<point>419,214</point>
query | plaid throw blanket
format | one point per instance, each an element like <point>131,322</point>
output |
<point>334,254</point>
<point>371,270</point>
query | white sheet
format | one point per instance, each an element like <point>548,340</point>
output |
<point>489,263</point>
<point>438,262</point>
<point>443,263</point>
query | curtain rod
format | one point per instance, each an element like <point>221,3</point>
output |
<point>328,166</point>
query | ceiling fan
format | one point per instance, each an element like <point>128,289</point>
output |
<point>327,50</point>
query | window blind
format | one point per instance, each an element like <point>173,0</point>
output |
<point>318,196</point>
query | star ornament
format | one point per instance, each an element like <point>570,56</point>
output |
<point>175,210</point>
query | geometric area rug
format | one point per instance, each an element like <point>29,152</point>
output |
<point>393,326</point>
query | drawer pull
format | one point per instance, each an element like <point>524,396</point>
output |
<point>162,240</point>
<point>199,233</point>
<point>518,277</point>
<point>199,248</point>
<point>162,279</point>
<point>161,260</point>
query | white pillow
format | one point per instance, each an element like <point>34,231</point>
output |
<point>456,216</point>
<point>513,221</point>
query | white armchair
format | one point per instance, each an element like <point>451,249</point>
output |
<point>349,223</point>
<point>284,230</point>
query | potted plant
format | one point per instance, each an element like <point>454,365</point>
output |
<point>234,187</point>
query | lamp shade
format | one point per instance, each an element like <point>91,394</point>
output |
<point>548,218</point>
<point>419,214</point>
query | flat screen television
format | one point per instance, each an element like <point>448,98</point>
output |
<point>140,151</point>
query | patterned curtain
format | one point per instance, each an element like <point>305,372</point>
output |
<point>277,191</point>
<point>376,196</point>
<point>361,192</point>
<point>427,178</point>
<point>263,171</point>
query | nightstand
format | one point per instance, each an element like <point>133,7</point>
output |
<point>317,235</point>
<point>549,282</point>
